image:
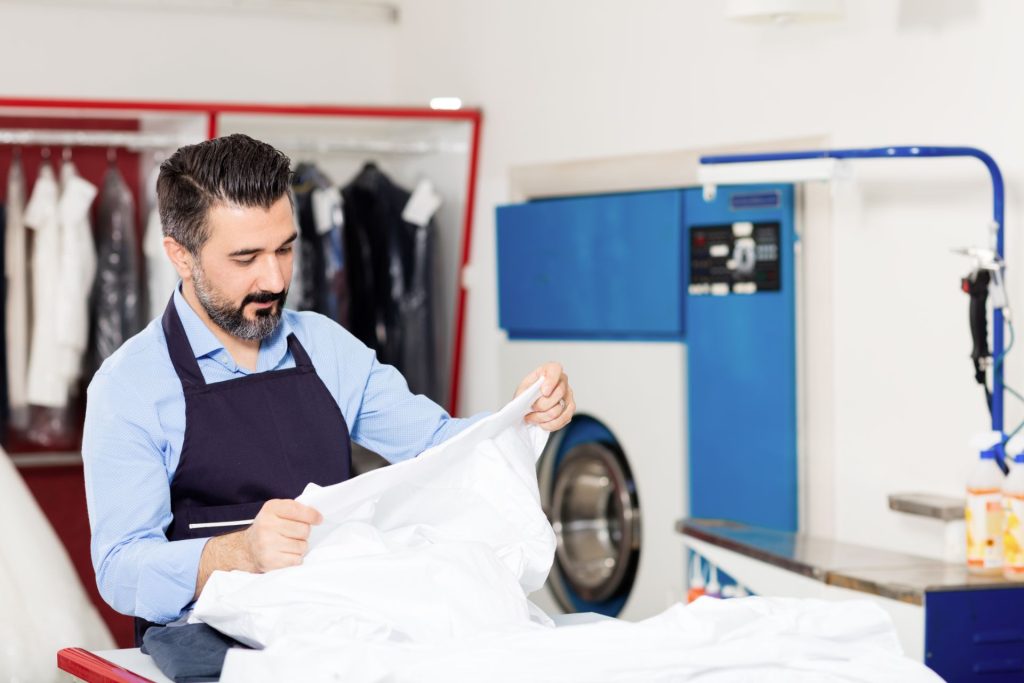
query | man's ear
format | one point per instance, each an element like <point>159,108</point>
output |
<point>180,257</point>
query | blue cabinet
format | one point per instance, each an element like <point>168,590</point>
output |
<point>600,267</point>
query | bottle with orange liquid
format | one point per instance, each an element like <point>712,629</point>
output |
<point>984,511</point>
<point>1013,515</point>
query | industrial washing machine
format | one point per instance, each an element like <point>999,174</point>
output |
<point>674,316</point>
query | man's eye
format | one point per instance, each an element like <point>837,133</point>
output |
<point>285,250</point>
<point>246,261</point>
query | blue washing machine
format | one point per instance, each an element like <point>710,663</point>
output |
<point>674,316</point>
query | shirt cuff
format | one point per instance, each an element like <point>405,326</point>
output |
<point>167,580</point>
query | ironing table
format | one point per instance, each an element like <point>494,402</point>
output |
<point>131,666</point>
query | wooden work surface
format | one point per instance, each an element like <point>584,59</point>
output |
<point>898,576</point>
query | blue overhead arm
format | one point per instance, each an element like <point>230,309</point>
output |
<point>906,153</point>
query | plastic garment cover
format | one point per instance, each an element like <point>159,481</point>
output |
<point>16,272</point>
<point>117,304</point>
<point>390,264</point>
<point>768,640</point>
<point>44,605</point>
<point>442,546</point>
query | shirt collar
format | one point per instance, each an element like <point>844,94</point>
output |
<point>205,343</point>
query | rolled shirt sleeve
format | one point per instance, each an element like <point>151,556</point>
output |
<point>138,571</point>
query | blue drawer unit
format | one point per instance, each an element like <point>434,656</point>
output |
<point>741,356</point>
<point>598,267</point>
<point>975,635</point>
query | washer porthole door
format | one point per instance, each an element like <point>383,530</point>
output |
<point>595,514</point>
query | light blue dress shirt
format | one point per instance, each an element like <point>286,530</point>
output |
<point>135,425</point>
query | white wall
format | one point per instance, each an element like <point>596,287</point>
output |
<point>60,50</point>
<point>570,79</point>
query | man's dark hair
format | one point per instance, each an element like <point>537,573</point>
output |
<point>235,170</point>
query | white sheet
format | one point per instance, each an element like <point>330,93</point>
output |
<point>421,571</point>
<point>441,546</point>
<point>44,605</point>
<point>767,640</point>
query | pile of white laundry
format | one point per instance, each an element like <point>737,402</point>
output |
<point>421,572</point>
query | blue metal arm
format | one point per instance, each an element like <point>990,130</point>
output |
<point>906,153</point>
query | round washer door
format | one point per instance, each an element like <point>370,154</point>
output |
<point>588,491</point>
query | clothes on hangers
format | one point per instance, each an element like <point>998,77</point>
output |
<point>16,313</point>
<point>78,269</point>
<point>329,221</point>
<point>46,384</point>
<point>322,282</point>
<point>389,262</point>
<point>161,278</point>
<point>117,303</point>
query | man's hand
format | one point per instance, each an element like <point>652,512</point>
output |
<point>556,406</point>
<point>278,536</point>
<point>276,539</point>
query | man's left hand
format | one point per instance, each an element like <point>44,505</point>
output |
<point>556,406</point>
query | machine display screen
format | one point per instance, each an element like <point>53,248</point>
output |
<point>739,258</point>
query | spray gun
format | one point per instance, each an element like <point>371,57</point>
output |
<point>983,282</point>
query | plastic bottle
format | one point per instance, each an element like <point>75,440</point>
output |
<point>984,511</point>
<point>1013,514</point>
<point>714,589</point>
<point>696,579</point>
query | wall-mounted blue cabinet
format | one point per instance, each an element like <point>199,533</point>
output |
<point>599,267</point>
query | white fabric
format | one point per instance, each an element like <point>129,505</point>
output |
<point>768,640</point>
<point>421,570</point>
<point>16,272</point>
<point>46,385</point>
<point>63,267</point>
<point>441,546</point>
<point>44,605</point>
<point>161,278</point>
<point>77,270</point>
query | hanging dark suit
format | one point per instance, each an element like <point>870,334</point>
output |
<point>389,262</point>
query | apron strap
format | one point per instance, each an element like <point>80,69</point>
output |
<point>298,352</point>
<point>182,356</point>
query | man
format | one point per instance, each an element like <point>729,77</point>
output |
<point>201,429</point>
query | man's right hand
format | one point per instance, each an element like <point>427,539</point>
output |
<point>278,536</point>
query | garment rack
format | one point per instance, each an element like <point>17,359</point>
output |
<point>323,147</point>
<point>76,138</point>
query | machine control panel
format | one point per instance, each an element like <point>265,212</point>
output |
<point>741,258</point>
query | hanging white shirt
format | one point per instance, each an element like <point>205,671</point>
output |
<point>162,279</point>
<point>16,272</point>
<point>77,270</point>
<point>46,383</point>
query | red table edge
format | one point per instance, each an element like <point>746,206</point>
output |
<point>93,668</point>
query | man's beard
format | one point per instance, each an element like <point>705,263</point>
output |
<point>231,318</point>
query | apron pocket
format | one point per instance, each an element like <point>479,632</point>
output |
<point>214,520</point>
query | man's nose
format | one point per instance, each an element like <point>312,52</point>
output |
<point>271,277</point>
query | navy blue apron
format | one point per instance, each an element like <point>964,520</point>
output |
<point>248,440</point>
